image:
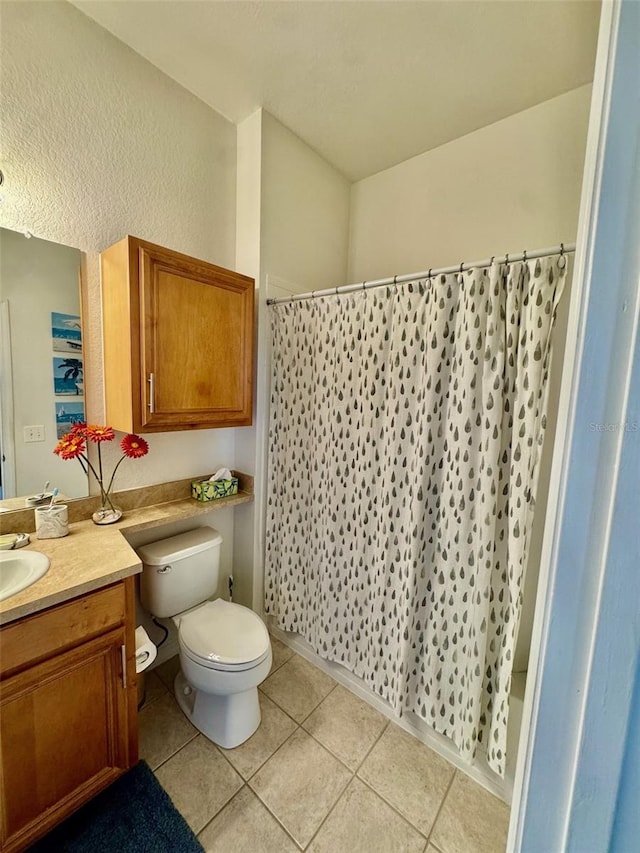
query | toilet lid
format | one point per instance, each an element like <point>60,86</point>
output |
<point>225,633</point>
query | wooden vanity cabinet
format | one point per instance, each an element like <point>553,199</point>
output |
<point>178,340</point>
<point>68,709</point>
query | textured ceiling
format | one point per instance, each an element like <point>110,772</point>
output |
<point>366,84</point>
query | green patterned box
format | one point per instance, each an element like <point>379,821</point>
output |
<point>207,490</point>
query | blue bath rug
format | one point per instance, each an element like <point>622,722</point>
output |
<point>133,815</point>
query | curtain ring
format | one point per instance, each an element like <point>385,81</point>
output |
<point>429,276</point>
<point>313,294</point>
<point>561,261</point>
<point>364,285</point>
<point>524,256</point>
<point>461,265</point>
<point>394,279</point>
<point>506,259</point>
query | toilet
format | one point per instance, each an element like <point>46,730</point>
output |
<point>225,652</point>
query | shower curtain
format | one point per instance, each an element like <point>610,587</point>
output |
<point>406,428</point>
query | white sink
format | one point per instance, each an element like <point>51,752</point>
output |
<point>19,569</point>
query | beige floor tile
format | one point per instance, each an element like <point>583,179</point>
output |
<point>163,730</point>
<point>280,652</point>
<point>245,826</point>
<point>167,671</point>
<point>361,822</point>
<point>471,820</point>
<point>408,775</point>
<point>346,725</point>
<point>275,727</point>
<point>298,687</point>
<point>154,688</point>
<point>300,784</point>
<point>199,780</point>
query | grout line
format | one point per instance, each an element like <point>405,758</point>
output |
<point>284,742</point>
<point>315,707</point>
<point>220,810</point>
<point>220,752</point>
<point>373,745</point>
<point>275,669</point>
<point>280,708</point>
<point>337,757</point>
<point>331,810</point>
<point>180,748</point>
<point>393,808</point>
<point>410,723</point>
<point>327,749</point>
<point>256,794</point>
<point>264,761</point>
<point>435,820</point>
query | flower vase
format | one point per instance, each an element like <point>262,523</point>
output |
<point>107,513</point>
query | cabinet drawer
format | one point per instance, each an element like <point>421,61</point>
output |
<point>36,637</point>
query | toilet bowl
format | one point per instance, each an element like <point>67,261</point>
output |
<point>225,652</point>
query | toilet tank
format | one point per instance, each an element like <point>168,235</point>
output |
<point>179,572</point>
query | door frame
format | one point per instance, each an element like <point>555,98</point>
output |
<point>585,639</point>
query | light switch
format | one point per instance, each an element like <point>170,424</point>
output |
<point>33,433</point>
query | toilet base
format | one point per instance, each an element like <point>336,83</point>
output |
<point>227,720</point>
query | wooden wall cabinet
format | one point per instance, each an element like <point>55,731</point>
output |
<point>68,710</point>
<point>178,340</point>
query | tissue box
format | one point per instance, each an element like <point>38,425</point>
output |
<point>205,490</point>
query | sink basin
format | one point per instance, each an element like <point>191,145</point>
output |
<point>19,569</point>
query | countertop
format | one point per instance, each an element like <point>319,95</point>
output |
<point>93,556</point>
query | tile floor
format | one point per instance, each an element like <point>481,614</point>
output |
<point>324,773</point>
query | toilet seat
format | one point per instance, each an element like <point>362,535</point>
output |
<point>225,636</point>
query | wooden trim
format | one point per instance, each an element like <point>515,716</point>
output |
<point>131,712</point>
<point>35,638</point>
<point>117,334</point>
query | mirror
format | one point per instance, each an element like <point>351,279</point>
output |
<point>41,367</point>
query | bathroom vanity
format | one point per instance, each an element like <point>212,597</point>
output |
<point>67,709</point>
<point>68,690</point>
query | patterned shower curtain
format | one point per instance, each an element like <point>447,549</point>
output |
<point>405,437</point>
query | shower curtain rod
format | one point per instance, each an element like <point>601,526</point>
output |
<point>400,279</point>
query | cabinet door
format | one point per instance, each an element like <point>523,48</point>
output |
<point>63,736</point>
<point>197,342</point>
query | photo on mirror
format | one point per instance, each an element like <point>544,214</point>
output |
<point>66,332</point>
<point>68,414</point>
<point>67,377</point>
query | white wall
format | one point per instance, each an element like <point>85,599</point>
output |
<point>507,187</point>
<point>97,143</point>
<point>293,218</point>
<point>513,185</point>
<point>305,212</point>
<point>248,224</point>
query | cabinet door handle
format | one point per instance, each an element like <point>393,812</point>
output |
<point>123,652</point>
<point>152,392</point>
